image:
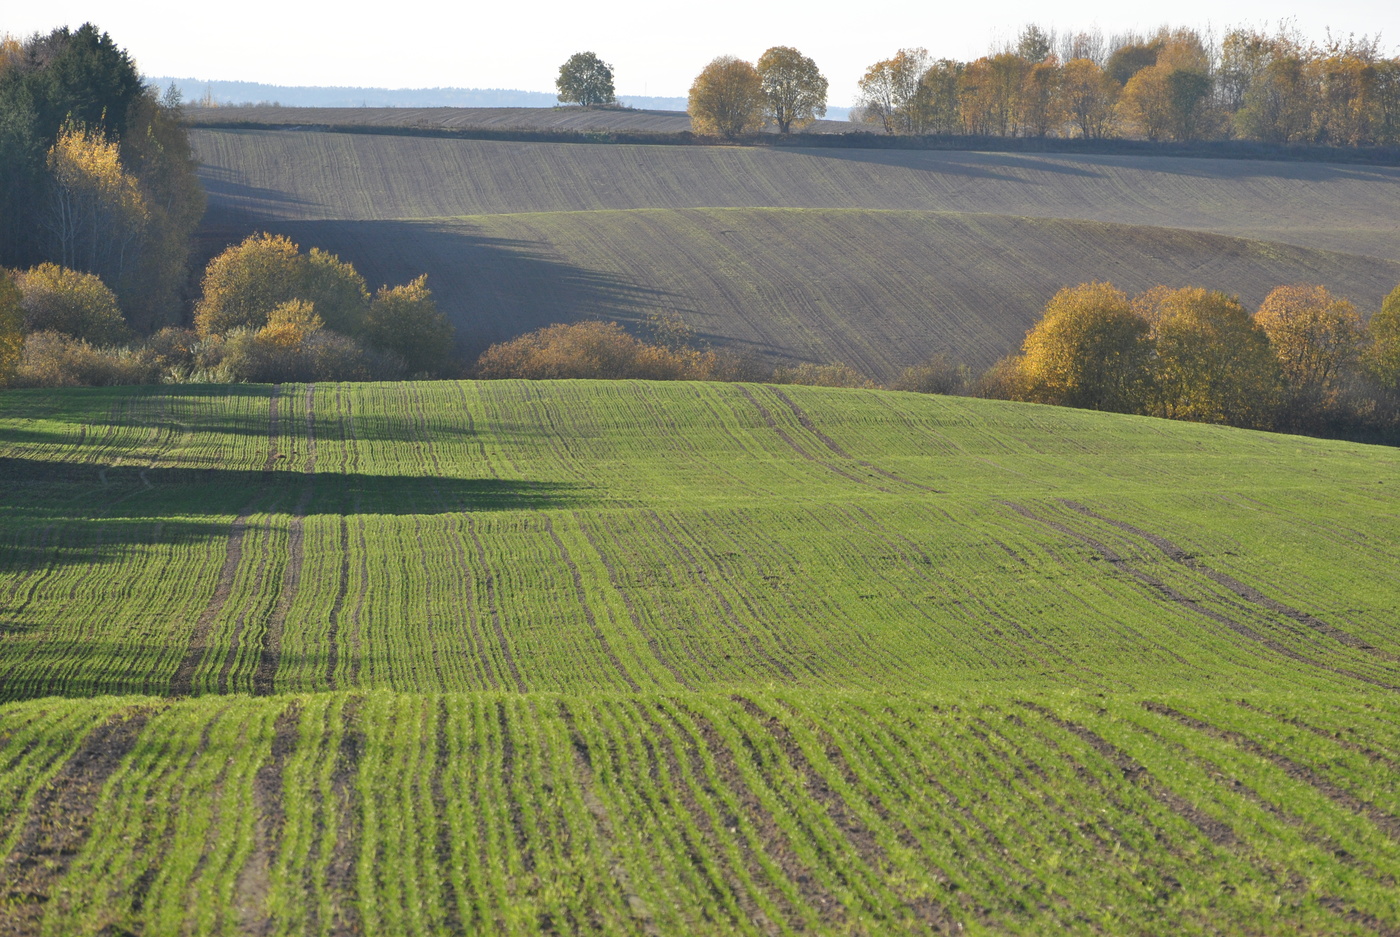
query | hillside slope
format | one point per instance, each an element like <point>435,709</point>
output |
<point>265,176</point>
<point>631,658</point>
<point>879,290</point>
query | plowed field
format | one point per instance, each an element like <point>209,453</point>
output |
<point>639,658</point>
<point>906,252</point>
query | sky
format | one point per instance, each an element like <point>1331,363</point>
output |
<point>655,49</point>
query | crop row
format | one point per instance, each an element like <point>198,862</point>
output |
<point>749,814</point>
<point>575,536</point>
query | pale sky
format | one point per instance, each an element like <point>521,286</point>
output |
<point>655,49</point>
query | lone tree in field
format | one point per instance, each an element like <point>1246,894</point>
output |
<point>727,98</point>
<point>586,79</point>
<point>795,90</point>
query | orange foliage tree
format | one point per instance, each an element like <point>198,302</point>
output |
<point>1317,338</point>
<point>727,98</point>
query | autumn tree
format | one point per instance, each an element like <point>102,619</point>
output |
<point>1042,106</point>
<point>936,100</point>
<point>1382,355</point>
<point>1211,362</point>
<point>56,299</point>
<point>1088,96</point>
<point>585,79</point>
<point>247,281</point>
<point>991,93</point>
<point>1088,350</point>
<point>11,327</point>
<point>889,91</point>
<point>727,98</point>
<point>405,320</point>
<point>1278,105</point>
<point>1316,338</point>
<point>97,214</point>
<point>793,87</point>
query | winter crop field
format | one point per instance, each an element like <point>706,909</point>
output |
<point>875,257</point>
<point>509,657</point>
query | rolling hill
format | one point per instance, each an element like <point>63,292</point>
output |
<point>896,254</point>
<point>681,658</point>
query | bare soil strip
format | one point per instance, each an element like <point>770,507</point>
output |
<point>333,619</point>
<point>1248,593</point>
<point>587,609</point>
<point>491,600</point>
<point>182,683</point>
<point>340,874</point>
<point>792,443</point>
<point>60,820</point>
<point>1338,795</point>
<point>602,822</point>
<point>1212,829</point>
<point>443,843</point>
<point>652,643</point>
<point>862,838</point>
<point>774,841</point>
<point>1171,595</point>
<point>254,879</point>
<point>517,813</point>
<point>270,654</point>
<point>811,427</point>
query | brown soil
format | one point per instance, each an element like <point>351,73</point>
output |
<point>517,814</point>
<point>1336,738</point>
<point>254,879</point>
<point>1214,830</point>
<point>60,820</point>
<point>774,841</point>
<point>443,843</point>
<point>652,643</point>
<point>340,874</point>
<point>270,654</point>
<point>1171,595</point>
<point>1248,593</point>
<point>808,425</point>
<point>587,609</point>
<point>792,444</point>
<point>1390,825</point>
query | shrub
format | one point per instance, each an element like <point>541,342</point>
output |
<point>940,374</point>
<point>56,299</point>
<point>595,350</point>
<point>404,320</point>
<point>835,374</point>
<point>245,283</point>
<point>53,359</point>
<point>1088,350</point>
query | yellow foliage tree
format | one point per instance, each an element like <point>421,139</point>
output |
<point>1316,338</point>
<point>11,328</point>
<point>97,215</point>
<point>1212,363</point>
<point>1087,96</point>
<point>1382,356</point>
<point>56,299</point>
<point>405,320</point>
<point>290,323</point>
<point>889,91</point>
<point>727,98</point>
<point>793,86</point>
<point>247,281</point>
<point>1088,350</point>
<point>1042,102</point>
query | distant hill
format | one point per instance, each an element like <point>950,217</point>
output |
<point>226,93</point>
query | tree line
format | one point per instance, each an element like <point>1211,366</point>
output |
<point>99,202</point>
<point>1176,84</point>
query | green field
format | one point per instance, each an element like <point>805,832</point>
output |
<point>878,258</point>
<point>688,658</point>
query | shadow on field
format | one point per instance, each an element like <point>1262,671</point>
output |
<point>492,289</point>
<point>35,493</point>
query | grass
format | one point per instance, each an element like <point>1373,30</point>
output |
<point>687,658</point>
